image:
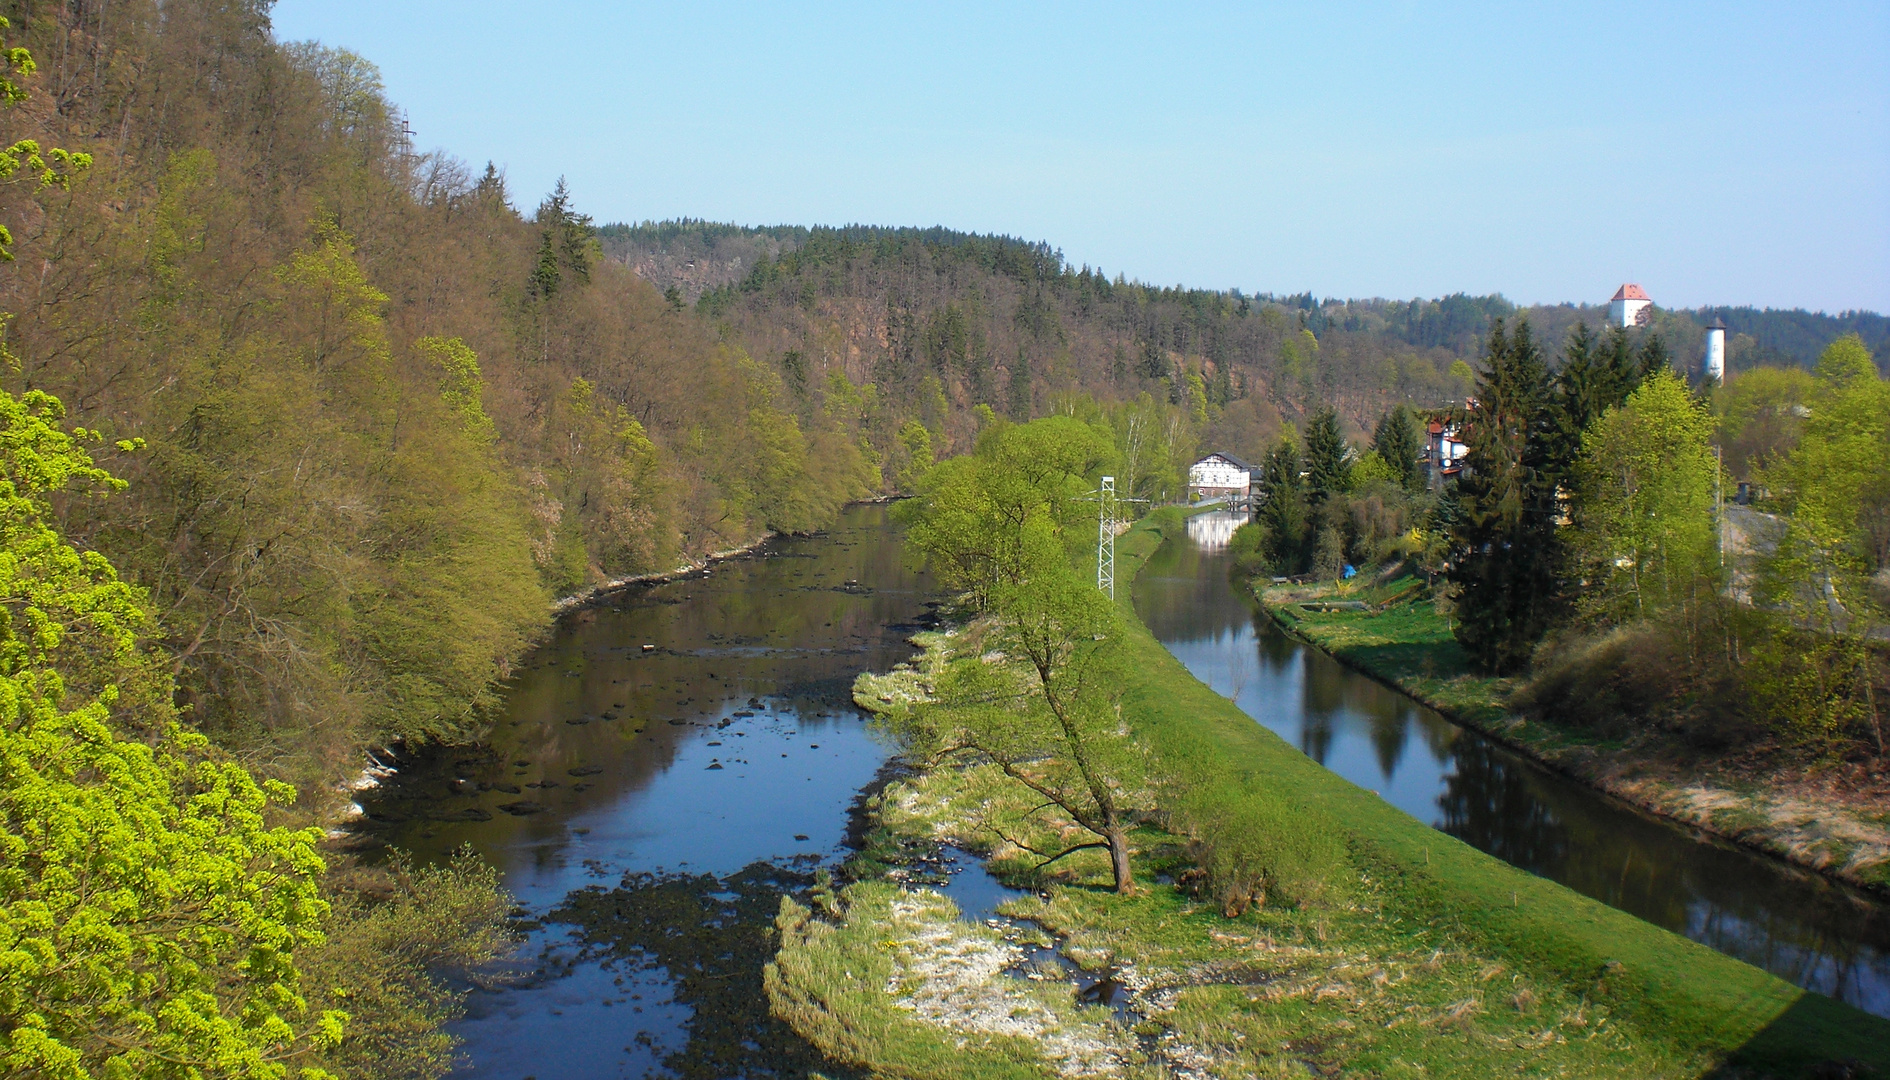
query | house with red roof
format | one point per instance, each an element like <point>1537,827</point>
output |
<point>1630,307</point>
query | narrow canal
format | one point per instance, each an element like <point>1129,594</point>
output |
<point>1794,923</point>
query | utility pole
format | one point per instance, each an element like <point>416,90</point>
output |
<point>1719,507</point>
<point>1107,506</point>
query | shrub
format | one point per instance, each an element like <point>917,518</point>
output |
<point>1255,849</point>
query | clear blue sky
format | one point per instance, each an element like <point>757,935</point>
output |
<point>1715,153</point>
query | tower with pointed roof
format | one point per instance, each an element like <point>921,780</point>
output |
<point>1630,307</point>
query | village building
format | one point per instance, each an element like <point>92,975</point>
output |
<point>1219,476</point>
<point>1444,450</point>
<point>1630,307</point>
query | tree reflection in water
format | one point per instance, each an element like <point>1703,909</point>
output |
<point>712,936</point>
<point>1794,923</point>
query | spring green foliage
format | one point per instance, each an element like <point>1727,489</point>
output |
<point>1759,416</point>
<point>991,518</point>
<point>1003,526</point>
<point>150,916</point>
<point>50,168</point>
<point>1827,575</point>
<point>1644,535</point>
<point>916,443</point>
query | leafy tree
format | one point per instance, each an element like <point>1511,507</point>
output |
<point>1644,533</point>
<point>1044,714</point>
<point>150,917</point>
<point>916,441</point>
<point>1004,525</point>
<point>1398,444</point>
<point>1761,416</point>
<point>1505,545</point>
<point>1835,489</point>
<point>976,517</point>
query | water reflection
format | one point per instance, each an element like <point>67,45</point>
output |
<point>1212,532</point>
<point>1794,923</point>
<point>668,765</point>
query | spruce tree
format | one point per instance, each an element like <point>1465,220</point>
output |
<point>1397,443</point>
<point>1505,551</point>
<point>1617,371</point>
<point>1653,359</point>
<point>1020,390</point>
<point>1283,508</point>
<point>1330,473</point>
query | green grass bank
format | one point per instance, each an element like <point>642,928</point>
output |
<point>1421,957</point>
<point>1402,641</point>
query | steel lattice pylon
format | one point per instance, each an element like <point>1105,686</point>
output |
<point>1108,519</point>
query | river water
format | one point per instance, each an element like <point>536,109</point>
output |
<point>688,752</point>
<point>1820,935</point>
<point>676,758</point>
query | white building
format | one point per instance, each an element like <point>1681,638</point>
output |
<point>1630,307</point>
<point>1218,476</point>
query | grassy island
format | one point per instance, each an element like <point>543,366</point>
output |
<point>1385,948</point>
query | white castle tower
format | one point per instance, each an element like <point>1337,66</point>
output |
<point>1714,365</point>
<point>1630,307</point>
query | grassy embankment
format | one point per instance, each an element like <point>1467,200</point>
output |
<point>1402,641</point>
<point>1414,955</point>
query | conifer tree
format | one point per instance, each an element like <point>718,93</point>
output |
<point>1020,389</point>
<point>1654,358</point>
<point>1283,508</point>
<point>1505,552</point>
<point>1396,442</point>
<point>1329,472</point>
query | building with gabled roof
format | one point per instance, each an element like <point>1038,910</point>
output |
<point>1630,307</point>
<point>1219,476</point>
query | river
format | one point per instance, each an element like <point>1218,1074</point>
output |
<point>678,756</point>
<point>688,752</point>
<point>1794,923</point>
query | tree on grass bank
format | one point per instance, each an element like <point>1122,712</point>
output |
<point>1037,699</point>
<point>1643,531</point>
<point>1829,580</point>
<point>1505,544</point>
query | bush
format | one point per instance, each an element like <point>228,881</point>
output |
<point>1633,678</point>
<point>1248,548</point>
<point>1256,849</point>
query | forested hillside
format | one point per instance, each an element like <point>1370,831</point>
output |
<point>382,416</point>
<point>886,303</point>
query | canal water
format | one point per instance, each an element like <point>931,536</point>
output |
<point>668,765</point>
<point>1799,925</point>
